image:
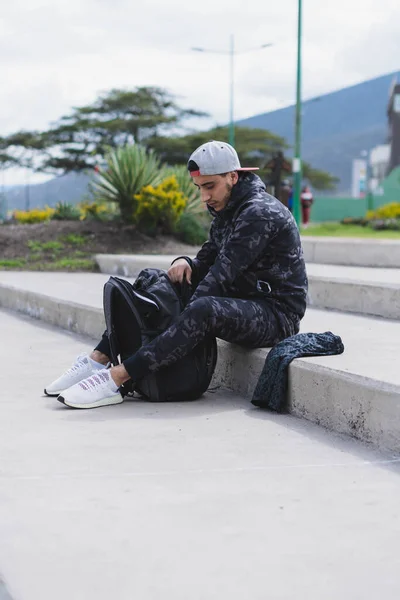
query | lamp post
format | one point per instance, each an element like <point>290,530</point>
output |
<point>297,146</point>
<point>366,155</point>
<point>232,53</point>
<point>231,137</point>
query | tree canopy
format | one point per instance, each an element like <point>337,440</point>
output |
<point>80,140</point>
<point>254,146</point>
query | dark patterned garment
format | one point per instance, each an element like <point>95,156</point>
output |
<point>249,323</point>
<point>251,282</point>
<point>254,243</point>
<point>271,388</point>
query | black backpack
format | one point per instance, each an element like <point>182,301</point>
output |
<point>135,314</point>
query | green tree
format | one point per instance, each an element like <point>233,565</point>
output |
<point>254,146</point>
<point>80,140</point>
<point>320,180</point>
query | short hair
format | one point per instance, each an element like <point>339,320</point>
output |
<point>193,166</point>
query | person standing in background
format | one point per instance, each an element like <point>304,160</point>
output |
<point>276,167</point>
<point>306,200</point>
<point>285,193</point>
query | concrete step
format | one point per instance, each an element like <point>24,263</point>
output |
<point>205,500</point>
<point>358,252</point>
<point>359,290</point>
<point>352,252</point>
<point>357,393</point>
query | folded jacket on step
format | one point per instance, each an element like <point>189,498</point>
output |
<point>271,388</point>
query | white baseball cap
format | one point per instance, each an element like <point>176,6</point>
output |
<point>215,158</point>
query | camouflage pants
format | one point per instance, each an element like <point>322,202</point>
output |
<point>250,323</point>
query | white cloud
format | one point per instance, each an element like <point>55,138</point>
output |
<point>55,54</point>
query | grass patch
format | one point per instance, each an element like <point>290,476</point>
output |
<point>12,263</point>
<point>74,264</point>
<point>67,253</point>
<point>53,246</point>
<point>74,239</point>
<point>340,230</point>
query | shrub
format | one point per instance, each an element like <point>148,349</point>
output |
<point>354,221</point>
<point>387,211</point>
<point>129,170</point>
<point>159,208</point>
<point>186,186</point>
<point>36,215</point>
<point>64,211</point>
<point>385,224</point>
<point>96,211</point>
<point>189,230</point>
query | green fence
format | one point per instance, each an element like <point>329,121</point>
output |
<point>3,207</point>
<point>330,208</point>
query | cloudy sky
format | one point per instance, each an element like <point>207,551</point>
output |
<point>55,54</point>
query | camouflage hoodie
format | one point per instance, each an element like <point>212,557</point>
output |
<point>253,250</point>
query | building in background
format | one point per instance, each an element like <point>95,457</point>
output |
<point>378,165</point>
<point>394,126</point>
<point>359,178</point>
<point>369,172</point>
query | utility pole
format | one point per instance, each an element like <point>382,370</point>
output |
<point>297,148</point>
<point>231,137</point>
<point>232,53</point>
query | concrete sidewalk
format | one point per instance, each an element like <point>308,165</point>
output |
<point>212,499</point>
<point>357,393</point>
<point>359,290</point>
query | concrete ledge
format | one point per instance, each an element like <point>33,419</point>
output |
<point>376,299</point>
<point>130,265</point>
<point>356,252</point>
<point>344,402</point>
<point>79,318</point>
<point>367,409</point>
<point>352,251</point>
<point>345,289</point>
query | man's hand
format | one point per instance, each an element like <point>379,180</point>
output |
<point>179,270</point>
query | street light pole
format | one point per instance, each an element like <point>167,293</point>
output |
<point>231,137</point>
<point>231,53</point>
<point>297,147</point>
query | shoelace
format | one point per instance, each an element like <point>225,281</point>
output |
<point>94,381</point>
<point>79,363</point>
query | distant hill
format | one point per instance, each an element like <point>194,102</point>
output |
<point>336,127</point>
<point>67,188</point>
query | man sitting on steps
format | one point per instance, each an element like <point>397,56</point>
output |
<point>252,282</point>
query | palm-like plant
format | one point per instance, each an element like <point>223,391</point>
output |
<point>129,169</point>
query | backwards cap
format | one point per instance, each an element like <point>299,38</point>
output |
<point>215,158</point>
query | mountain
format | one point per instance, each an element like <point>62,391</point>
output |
<point>336,127</point>
<point>67,188</point>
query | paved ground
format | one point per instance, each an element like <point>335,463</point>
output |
<point>372,344</point>
<point>207,500</point>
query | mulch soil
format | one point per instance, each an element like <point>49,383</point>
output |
<point>107,238</point>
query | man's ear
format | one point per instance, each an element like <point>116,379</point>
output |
<point>234,177</point>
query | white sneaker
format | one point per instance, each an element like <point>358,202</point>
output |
<point>97,390</point>
<point>83,367</point>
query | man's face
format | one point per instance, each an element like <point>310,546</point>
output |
<point>216,190</point>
